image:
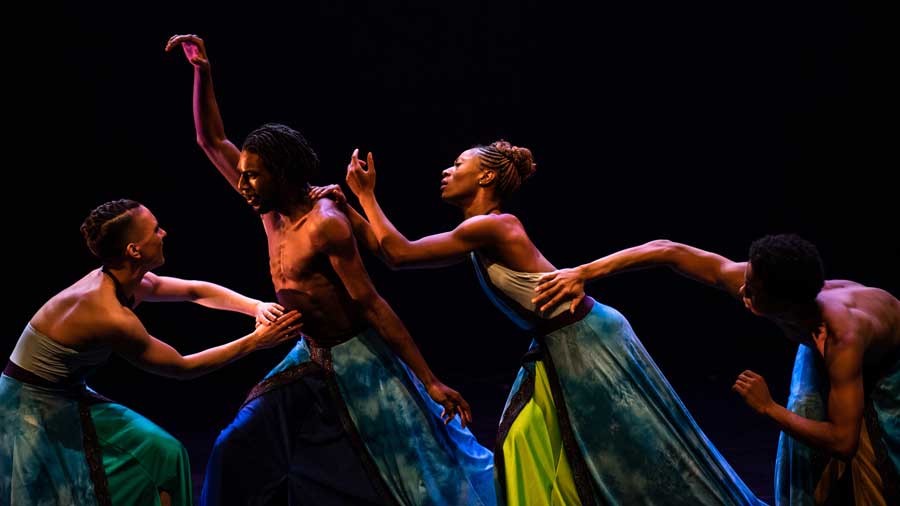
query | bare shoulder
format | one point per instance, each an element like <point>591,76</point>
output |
<point>832,284</point>
<point>506,225</point>
<point>857,312</point>
<point>327,224</point>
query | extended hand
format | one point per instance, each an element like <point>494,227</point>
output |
<point>267,312</point>
<point>194,49</point>
<point>332,191</point>
<point>283,329</point>
<point>360,180</point>
<point>754,390</point>
<point>452,402</point>
<point>557,287</point>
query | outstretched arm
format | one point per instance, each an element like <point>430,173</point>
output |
<point>334,237</point>
<point>132,341</point>
<point>703,266</point>
<point>155,288</point>
<point>839,433</point>
<point>207,120</point>
<point>436,250</point>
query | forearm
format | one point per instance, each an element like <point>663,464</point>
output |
<point>826,435</point>
<point>394,333</point>
<point>646,255</point>
<point>206,361</point>
<point>363,232</point>
<point>207,119</point>
<point>702,266</point>
<point>218,297</point>
<point>391,242</point>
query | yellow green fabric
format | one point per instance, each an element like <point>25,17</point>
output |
<point>537,470</point>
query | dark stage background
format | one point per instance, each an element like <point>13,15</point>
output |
<point>711,124</point>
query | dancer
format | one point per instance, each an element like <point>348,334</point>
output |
<point>341,420</point>
<point>845,388</point>
<point>61,442</point>
<point>590,419</point>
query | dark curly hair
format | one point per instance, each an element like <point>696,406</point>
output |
<point>788,267</point>
<point>104,230</point>
<point>285,153</point>
<point>513,165</point>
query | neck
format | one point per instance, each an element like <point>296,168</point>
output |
<point>126,278</point>
<point>481,205</point>
<point>805,318</point>
<point>296,209</point>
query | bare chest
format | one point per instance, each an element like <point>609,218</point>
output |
<point>293,258</point>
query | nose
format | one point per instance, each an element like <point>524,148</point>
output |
<point>242,182</point>
<point>446,172</point>
<point>162,232</point>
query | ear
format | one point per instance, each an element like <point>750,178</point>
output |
<point>487,177</point>
<point>132,251</point>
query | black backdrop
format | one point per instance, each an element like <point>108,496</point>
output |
<point>708,123</point>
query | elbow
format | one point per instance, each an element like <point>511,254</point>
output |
<point>846,448</point>
<point>663,245</point>
<point>395,256</point>
<point>204,142</point>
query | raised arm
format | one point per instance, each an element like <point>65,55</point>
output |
<point>334,237</point>
<point>132,341</point>
<point>207,120</point>
<point>697,264</point>
<point>155,288</point>
<point>436,250</point>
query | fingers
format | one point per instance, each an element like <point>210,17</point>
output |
<point>556,295</point>
<point>543,280</point>
<point>546,292</point>
<point>749,375</point>
<point>575,302</point>
<point>317,192</point>
<point>465,412</point>
<point>288,319</point>
<point>175,40</point>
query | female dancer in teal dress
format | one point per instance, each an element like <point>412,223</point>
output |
<point>590,418</point>
<point>61,442</point>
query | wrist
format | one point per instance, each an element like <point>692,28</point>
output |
<point>583,273</point>
<point>430,381</point>
<point>366,197</point>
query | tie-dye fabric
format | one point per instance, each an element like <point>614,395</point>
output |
<point>416,458</point>
<point>44,444</point>
<point>629,438</point>
<point>805,476</point>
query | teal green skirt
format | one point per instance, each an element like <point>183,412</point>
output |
<point>74,447</point>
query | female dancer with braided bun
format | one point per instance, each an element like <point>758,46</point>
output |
<point>590,418</point>
<point>61,442</point>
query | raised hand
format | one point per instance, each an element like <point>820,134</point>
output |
<point>559,286</point>
<point>360,180</point>
<point>267,313</point>
<point>752,387</point>
<point>452,402</point>
<point>285,328</point>
<point>194,49</point>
